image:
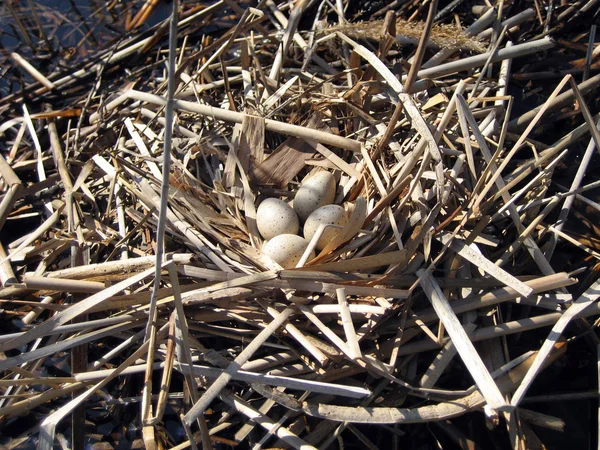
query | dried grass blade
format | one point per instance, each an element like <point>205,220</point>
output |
<point>79,326</point>
<point>32,70</point>
<point>461,341</point>
<point>418,57</point>
<point>532,246</point>
<point>139,142</point>
<point>111,268</point>
<point>472,62</point>
<point>365,262</point>
<point>473,30</point>
<point>165,382</point>
<point>407,101</point>
<point>268,424</point>
<point>587,298</point>
<point>24,406</point>
<point>151,326</point>
<point>279,93</point>
<point>45,226</point>
<point>290,31</point>
<point>441,411</point>
<point>67,344</point>
<point>73,311</point>
<point>372,170</point>
<point>334,338</point>
<point>213,391</point>
<point>507,158</point>
<point>14,189</point>
<point>36,142</point>
<point>349,331</point>
<point>441,361</point>
<point>542,284</point>
<point>58,284</point>
<point>575,242</point>
<point>484,264</point>
<point>350,229</point>
<point>345,167</point>
<point>321,358</point>
<point>7,275</point>
<point>48,426</point>
<point>287,382</point>
<point>389,198</point>
<point>563,99</point>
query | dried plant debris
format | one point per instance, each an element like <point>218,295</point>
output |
<point>262,225</point>
<point>442,35</point>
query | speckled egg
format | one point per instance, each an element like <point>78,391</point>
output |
<point>317,191</point>
<point>287,249</point>
<point>275,217</point>
<point>326,215</point>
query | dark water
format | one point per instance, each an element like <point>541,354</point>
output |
<point>55,35</point>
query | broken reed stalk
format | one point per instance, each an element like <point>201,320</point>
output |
<point>463,344</point>
<point>383,415</point>
<point>590,296</point>
<point>32,70</point>
<point>270,125</point>
<point>243,357</point>
<point>479,60</point>
<point>151,329</point>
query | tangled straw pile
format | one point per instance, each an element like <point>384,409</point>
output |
<point>453,217</point>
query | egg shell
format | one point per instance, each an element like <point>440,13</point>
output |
<point>317,191</point>
<point>275,217</point>
<point>286,250</point>
<point>326,215</point>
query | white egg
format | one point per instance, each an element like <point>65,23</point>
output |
<point>287,249</point>
<point>326,215</point>
<point>275,217</point>
<point>317,191</point>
